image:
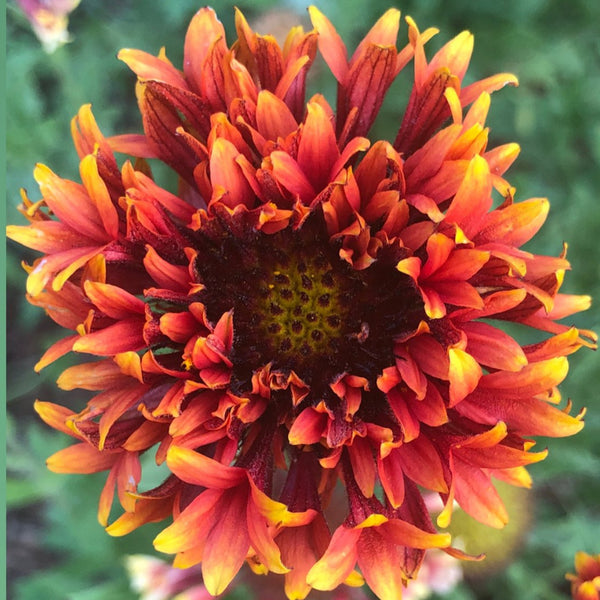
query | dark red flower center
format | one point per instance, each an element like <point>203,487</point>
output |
<point>299,306</point>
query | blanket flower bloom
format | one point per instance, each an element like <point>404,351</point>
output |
<point>308,312</point>
<point>585,582</point>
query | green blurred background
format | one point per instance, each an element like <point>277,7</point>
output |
<point>56,549</point>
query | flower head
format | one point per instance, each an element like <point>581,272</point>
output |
<point>312,315</point>
<point>585,583</point>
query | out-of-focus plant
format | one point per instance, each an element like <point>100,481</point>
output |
<point>49,20</point>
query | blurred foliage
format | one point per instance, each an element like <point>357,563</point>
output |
<point>56,549</point>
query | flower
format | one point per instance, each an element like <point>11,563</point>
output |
<point>585,583</point>
<point>49,20</point>
<point>307,317</point>
<point>155,579</point>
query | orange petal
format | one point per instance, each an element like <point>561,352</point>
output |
<point>379,558</point>
<point>533,379</point>
<point>477,496</point>
<point>422,463</point>
<point>146,66</point>
<point>331,45</point>
<point>308,427</point>
<point>226,545</point>
<point>289,174</point>
<point>90,376</point>
<point>98,192</point>
<point>70,202</point>
<point>55,351</point>
<point>146,511</point>
<point>262,541</point>
<point>300,549</point>
<point>337,562</point>
<point>464,374</point>
<point>166,275</point>
<point>525,416</point>
<point>81,458</point>
<point>229,184</point>
<point>473,198</point>
<point>455,54</point>
<point>318,149</point>
<point>515,224</point>
<point>407,534</point>
<point>392,477</point>
<point>278,513</point>
<point>120,337</point>
<point>203,31</point>
<point>118,401</point>
<point>274,119</point>
<point>45,236</point>
<point>492,347</point>
<point>194,520</point>
<point>197,469</point>
<point>402,410</point>
<point>411,374</point>
<point>54,415</point>
<point>113,301</point>
<point>489,84</point>
<point>363,467</point>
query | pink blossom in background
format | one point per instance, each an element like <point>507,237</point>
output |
<point>49,20</point>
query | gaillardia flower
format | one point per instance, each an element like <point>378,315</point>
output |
<point>585,583</point>
<point>311,315</point>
